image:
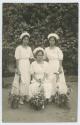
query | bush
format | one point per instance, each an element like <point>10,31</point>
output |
<point>40,20</point>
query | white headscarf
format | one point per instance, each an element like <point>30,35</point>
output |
<point>37,49</point>
<point>53,35</point>
<point>24,34</point>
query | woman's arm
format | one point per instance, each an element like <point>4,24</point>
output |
<point>17,66</point>
<point>31,56</point>
<point>59,70</point>
<point>60,57</point>
<point>60,66</point>
<point>17,57</point>
<point>45,56</point>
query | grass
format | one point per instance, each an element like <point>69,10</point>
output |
<point>51,113</point>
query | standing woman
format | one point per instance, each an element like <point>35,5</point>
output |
<point>23,54</point>
<point>55,57</point>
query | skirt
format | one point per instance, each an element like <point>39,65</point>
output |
<point>21,86</point>
<point>35,88</point>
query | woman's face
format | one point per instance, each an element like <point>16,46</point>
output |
<point>52,41</point>
<point>39,56</point>
<point>25,41</point>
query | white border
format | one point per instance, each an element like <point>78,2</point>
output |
<point>79,64</point>
<point>40,1</point>
<point>0,62</point>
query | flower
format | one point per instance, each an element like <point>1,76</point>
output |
<point>14,101</point>
<point>62,99</point>
<point>37,101</point>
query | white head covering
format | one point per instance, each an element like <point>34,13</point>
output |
<point>37,49</point>
<point>24,34</point>
<point>53,35</point>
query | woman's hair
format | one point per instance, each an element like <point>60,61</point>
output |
<point>35,55</point>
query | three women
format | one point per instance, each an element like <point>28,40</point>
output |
<point>49,75</point>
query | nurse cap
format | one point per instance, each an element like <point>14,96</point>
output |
<point>37,49</point>
<point>53,35</point>
<point>24,34</point>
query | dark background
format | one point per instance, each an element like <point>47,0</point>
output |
<point>40,20</point>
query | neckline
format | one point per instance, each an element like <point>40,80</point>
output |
<point>40,63</point>
<point>24,47</point>
<point>52,48</point>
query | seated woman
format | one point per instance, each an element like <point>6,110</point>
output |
<point>39,72</point>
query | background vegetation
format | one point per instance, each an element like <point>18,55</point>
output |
<point>40,20</point>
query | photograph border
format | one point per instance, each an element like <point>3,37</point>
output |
<point>41,1</point>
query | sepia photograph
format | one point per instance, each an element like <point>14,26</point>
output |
<point>39,62</point>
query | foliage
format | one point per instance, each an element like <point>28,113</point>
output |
<point>37,101</point>
<point>40,20</point>
<point>63,99</point>
<point>14,101</point>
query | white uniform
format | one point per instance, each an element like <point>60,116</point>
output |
<point>22,54</point>
<point>54,55</point>
<point>39,70</point>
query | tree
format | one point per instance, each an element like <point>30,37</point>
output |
<point>40,20</point>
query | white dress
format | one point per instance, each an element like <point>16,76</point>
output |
<point>23,55</point>
<point>54,55</point>
<point>39,70</point>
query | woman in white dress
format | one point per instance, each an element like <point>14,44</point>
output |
<point>55,57</point>
<point>39,72</point>
<point>23,54</point>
